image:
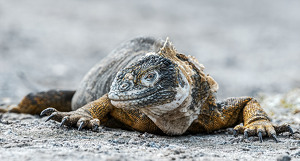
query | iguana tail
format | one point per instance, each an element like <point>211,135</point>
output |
<point>35,103</point>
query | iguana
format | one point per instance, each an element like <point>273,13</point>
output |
<point>147,86</point>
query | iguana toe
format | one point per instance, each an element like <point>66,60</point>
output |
<point>78,119</point>
<point>81,123</point>
<point>95,123</point>
<point>53,114</point>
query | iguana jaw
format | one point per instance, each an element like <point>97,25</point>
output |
<point>173,118</point>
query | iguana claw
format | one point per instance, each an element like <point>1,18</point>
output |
<point>51,116</point>
<point>235,133</point>
<point>64,121</point>
<point>246,134</point>
<point>48,111</point>
<point>95,127</point>
<point>74,118</point>
<point>260,136</point>
<point>275,138</point>
<point>81,125</point>
<point>290,130</point>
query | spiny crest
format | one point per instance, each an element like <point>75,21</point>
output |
<point>168,50</point>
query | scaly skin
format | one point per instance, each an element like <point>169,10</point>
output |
<point>162,92</point>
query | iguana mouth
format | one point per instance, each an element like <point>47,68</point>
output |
<point>156,97</point>
<point>132,95</point>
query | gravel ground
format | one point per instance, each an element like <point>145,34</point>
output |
<point>31,138</point>
<point>249,47</point>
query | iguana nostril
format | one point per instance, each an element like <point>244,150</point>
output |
<point>124,86</point>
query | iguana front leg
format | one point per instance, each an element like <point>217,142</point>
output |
<point>88,116</point>
<point>244,110</point>
<point>95,113</point>
<point>257,122</point>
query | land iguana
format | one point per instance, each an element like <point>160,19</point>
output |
<point>147,86</point>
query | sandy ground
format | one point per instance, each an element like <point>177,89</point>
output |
<point>27,137</point>
<point>249,47</point>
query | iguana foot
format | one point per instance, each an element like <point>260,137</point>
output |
<point>262,128</point>
<point>78,118</point>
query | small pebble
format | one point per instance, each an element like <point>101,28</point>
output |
<point>284,158</point>
<point>245,149</point>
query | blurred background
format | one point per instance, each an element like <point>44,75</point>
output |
<point>249,47</point>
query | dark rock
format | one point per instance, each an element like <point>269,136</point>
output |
<point>284,158</point>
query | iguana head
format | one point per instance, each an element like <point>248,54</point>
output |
<point>163,85</point>
<point>153,80</point>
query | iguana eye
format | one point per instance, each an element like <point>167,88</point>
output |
<point>150,78</point>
